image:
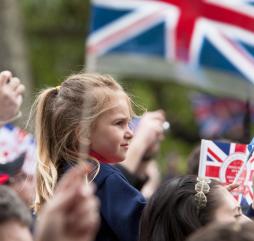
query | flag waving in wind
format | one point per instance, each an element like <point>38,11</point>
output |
<point>217,34</point>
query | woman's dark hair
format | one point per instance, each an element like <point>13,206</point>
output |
<point>172,212</point>
<point>225,232</point>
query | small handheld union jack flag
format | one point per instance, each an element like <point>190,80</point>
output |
<point>249,153</point>
<point>223,161</point>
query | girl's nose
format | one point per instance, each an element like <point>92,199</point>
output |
<point>129,133</point>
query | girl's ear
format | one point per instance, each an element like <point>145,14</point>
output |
<point>83,138</point>
<point>77,132</point>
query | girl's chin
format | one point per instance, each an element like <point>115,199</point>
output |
<point>119,159</point>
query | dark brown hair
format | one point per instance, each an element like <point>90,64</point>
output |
<point>172,212</point>
<point>225,232</point>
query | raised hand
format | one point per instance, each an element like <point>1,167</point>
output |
<point>11,97</point>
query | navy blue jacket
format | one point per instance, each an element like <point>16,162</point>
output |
<point>250,212</point>
<point>121,206</point>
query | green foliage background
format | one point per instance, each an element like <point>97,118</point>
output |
<point>56,31</point>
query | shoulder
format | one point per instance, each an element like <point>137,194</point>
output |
<point>106,173</point>
<point>111,184</point>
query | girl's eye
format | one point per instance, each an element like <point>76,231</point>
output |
<point>122,123</point>
<point>119,123</point>
<point>237,215</point>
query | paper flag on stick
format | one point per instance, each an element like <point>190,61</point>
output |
<point>222,161</point>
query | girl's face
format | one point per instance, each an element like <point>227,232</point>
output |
<point>229,210</point>
<point>111,134</point>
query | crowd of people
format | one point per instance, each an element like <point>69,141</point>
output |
<point>96,175</point>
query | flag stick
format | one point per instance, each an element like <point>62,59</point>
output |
<point>242,167</point>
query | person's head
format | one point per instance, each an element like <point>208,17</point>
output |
<point>15,218</point>
<point>13,176</point>
<point>174,212</point>
<point>18,161</point>
<point>87,112</point>
<point>24,185</point>
<point>225,232</point>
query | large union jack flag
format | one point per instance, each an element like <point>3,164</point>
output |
<point>222,161</point>
<point>212,33</point>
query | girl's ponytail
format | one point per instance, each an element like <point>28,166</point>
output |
<point>47,155</point>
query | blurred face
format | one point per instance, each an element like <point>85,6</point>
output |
<point>111,134</point>
<point>229,210</point>
<point>14,231</point>
<point>24,186</point>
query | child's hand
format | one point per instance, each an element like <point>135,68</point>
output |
<point>150,131</point>
<point>11,96</point>
<point>146,141</point>
<point>232,186</point>
<point>72,213</point>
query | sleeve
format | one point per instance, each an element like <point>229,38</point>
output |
<point>121,207</point>
<point>134,180</point>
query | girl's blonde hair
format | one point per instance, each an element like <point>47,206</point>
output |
<point>64,116</point>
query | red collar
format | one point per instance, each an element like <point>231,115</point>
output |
<point>98,156</point>
<point>4,178</point>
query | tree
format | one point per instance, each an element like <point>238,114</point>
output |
<point>13,54</point>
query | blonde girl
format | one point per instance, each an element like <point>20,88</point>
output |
<point>89,113</point>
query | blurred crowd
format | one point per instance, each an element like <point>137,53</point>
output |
<point>90,172</point>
